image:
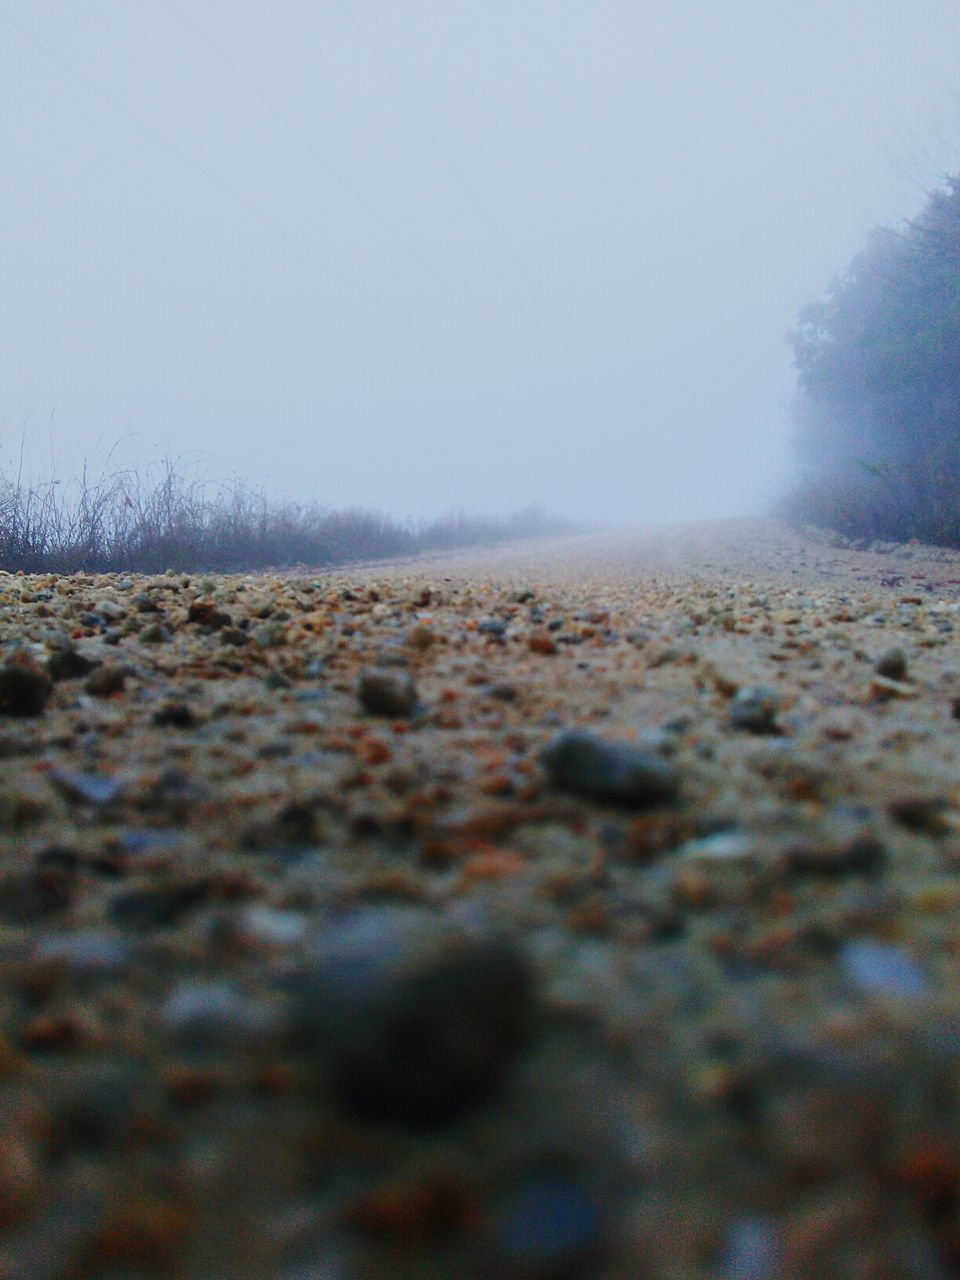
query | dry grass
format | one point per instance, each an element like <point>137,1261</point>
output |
<point>122,521</point>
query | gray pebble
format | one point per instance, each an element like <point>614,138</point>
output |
<point>880,969</point>
<point>207,1015</point>
<point>752,1251</point>
<point>105,681</point>
<point>384,693</point>
<point>91,951</point>
<point>892,665</point>
<point>110,610</point>
<point>85,788</point>
<point>271,927</point>
<point>177,715</point>
<point>269,635</point>
<point>67,663</point>
<point>618,773</point>
<point>154,634</point>
<point>754,709</point>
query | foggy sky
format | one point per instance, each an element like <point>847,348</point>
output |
<point>540,251</point>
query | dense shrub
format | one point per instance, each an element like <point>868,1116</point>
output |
<point>878,406</point>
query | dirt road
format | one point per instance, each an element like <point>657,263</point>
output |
<point>579,908</point>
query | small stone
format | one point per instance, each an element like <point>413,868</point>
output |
<point>416,1021</point>
<point>91,951</point>
<point>883,689</point>
<point>722,846</point>
<point>862,854</point>
<point>159,905</point>
<point>110,610</point>
<point>541,642</point>
<point>880,969</point>
<point>504,691</point>
<point>206,614</point>
<point>269,927</point>
<point>383,693</point>
<point>154,634</point>
<point>301,695</point>
<point>892,665</point>
<point>106,681</point>
<point>924,815</point>
<point>618,773</point>
<point>25,687</point>
<point>754,709</point>
<point>269,635</point>
<point>67,663</point>
<point>492,627</point>
<point>752,1252</point>
<point>421,638</point>
<point>208,1015</point>
<point>235,636</point>
<point>177,715</point>
<point>724,684</point>
<point>85,788</point>
<point>550,1228</point>
<point>144,839</point>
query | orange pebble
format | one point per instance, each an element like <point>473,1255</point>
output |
<point>493,864</point>
<point>375,752</point>
<point>541,643</point>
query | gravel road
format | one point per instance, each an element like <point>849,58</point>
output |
<point>580,908</point>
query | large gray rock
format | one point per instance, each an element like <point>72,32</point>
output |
<point>415,1021</point>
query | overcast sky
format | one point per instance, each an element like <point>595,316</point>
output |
<point>424,254</point>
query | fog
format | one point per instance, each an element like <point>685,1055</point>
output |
<point>426,255</point>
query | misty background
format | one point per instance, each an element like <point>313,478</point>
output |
<point>428,255</point>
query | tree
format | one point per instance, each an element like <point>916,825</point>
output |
<point>878,405</point>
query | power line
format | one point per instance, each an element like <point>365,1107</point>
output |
<point>461,178</point>
<point>108,97</point>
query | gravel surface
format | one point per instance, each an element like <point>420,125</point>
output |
<point>587,908</point>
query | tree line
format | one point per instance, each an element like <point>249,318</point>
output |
<point>878,398</point>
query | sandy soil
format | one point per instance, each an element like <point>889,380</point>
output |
<point>313,964</point>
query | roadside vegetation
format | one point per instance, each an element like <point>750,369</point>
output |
<point>878,404</point>
<point>125,521</point>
